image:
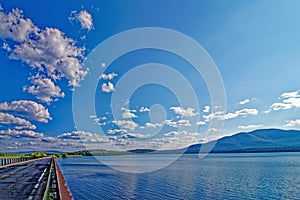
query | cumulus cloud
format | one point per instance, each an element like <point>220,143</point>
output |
<point>128,113</point>
<point>15,116</point>
<point>126,124</point>
<point>293,123</point>
<point>183,135</point>
<point>44,89</point>
<point>290,94</point>
<point>53,54</point>
<point>189,112</point>
<point>244,101</point>
<point>6,47</point>
<point>25,127</point>
<point>48,139</point>
<point>116,131</point>
<point>289,100</point>
<point>27,109</point>
<point>107,87</point>
<point>14,26</point>
<point>99,121</point>
<point>200,123</point>
<point>144,109</point>
<point>20,123</point>
<point>249,127</point>
<point>108,76</point>
<point>206,109</point>
<point>84,18</point>
<point>175,133</point>
<point>21,133</point>
<point>153,125</point>
<point>226,116</point>
<point>178,123</point>
<point>83,136</point>
<point>48,51</point>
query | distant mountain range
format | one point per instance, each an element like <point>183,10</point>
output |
<point>264,140</point>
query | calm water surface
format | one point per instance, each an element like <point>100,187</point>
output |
<point>218,176</point>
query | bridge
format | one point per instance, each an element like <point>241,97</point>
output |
<point>33,180</point>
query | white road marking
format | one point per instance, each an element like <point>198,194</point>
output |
<point>41,177</point>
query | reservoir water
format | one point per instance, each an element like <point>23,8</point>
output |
<point>217,176</point>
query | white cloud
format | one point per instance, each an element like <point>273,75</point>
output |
<point>175,133</point>
<point>126,124</point>
<point>13,122</point>
<point>153,125</point>
<point>107,87</point>
<point>14,26</point>
<point>178,123</point>
<point>108,76</point>
<point>182,134</point>
<point>25,127</point>
<point>48,51</point>
<point>44,89</point>
<point>121,142</point>
<point>244,101</point>
<point>54,55</point>
<point>116,131</point>
<point>82,136</point>
<point>99,121</point>
<point>144,109</point>
<point>84,18</point>
<point>103,64</point>
<point>21,133</point>
<point>280,106</point>
<point>289,100</point>
<point>20,123</point>
<point>48,139</point>
<point>6,47</point>
<point>249,127</point>
<point>128,113</point>
<point>199,123</point>
<point>189,112</point>
<point>290,94</point>
<point>206,109</point>
<point>293,123</point>
<point>27,109</point>
<point>223,116</point>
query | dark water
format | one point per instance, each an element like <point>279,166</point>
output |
<point>218,176</point>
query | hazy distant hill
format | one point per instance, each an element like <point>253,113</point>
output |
<point>264,140</point>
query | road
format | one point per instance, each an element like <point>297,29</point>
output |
<point>24,181</point>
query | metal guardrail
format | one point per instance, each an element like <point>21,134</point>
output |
<point>8,161</point>
<point>49,180</point>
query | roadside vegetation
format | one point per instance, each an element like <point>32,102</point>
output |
<point>11,155</point>
<point>34,155</point>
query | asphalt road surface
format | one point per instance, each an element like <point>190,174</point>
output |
<point>24,181</point>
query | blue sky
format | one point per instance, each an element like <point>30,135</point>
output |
<point>254,44</point>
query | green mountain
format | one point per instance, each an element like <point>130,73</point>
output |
<point>264,140</point>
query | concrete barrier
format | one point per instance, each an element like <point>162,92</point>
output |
<point>9,161</point>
